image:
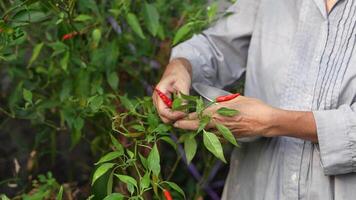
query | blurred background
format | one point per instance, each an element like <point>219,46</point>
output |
<point>62,64</point>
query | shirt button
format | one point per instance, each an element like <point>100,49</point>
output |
<point>294,177</point>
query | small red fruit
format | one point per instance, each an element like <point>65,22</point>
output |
<point>164,98</point>
<point>69,35</point>
<point>167,194</point>
<point>227,97</point>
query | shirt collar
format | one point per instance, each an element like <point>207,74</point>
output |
<point>322,8</point>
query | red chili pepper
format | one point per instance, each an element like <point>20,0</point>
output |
<point>167,194</point>
<point>69,35</point>
<point>227,97</point>
<point>164,98</point>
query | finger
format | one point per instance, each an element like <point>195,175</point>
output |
<point>187,124</point>
<point>165,112</point>
<point>155,98</point>
<point>165,120</point>
<point>192,116</point>
<point>168,113</point>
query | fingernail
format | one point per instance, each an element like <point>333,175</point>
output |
<point>175,124</point>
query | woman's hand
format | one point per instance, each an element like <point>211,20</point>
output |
<point>256,118</point>
<point>176,78</point>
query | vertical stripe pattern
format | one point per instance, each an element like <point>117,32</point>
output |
<point>336,57</point>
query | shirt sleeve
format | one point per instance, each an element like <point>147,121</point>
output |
<point>219,54</point>
<point>336,131</point>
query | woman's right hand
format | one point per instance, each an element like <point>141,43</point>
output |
<point>176,78</point>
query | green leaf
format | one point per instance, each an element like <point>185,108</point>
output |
<point>113,80</point>
<point>58,48</point>
<point>169,141</point>
<point>188,97</point>
<point>130,153</point>
<point>212,10</point>
<point>190,148</point>
<point>143,161</point>
<point>226,133</point>
<point>151,18</point>
<point>127,179</point>
<point>28,16</point>
<point>96,102</point>
<point>130,182</point>
<point>161,32</point>
<point>145,181</point>
<point>227,112</point>
<point>135,24</point>
<point>82,18</point>
<point>36,52</point>
<point>110,182</point>
<point>109,156</point>
<point>115,196</point>
<point>212,143</point>
<point>175,187</point>
<point>66,89</point>
<point>199,106</point>
<point>101,170</point>
<point>138,127</point>
<point>152,120</point>
<point>96,34</point>
<point>162,128</point>
<point>76,135</point>
<point>116,144</point>
<point>4,197</point>
<point>131,189</point>
<point>15,96</point>
<point>182,33</point>
<point>27,95</point>
<point>153,161</point>
<point>115,12</point>
<point>177,103</point>
<point>204,121</point>
<point>64,61</point>
<point>127,103</point>
<point>60,194</point>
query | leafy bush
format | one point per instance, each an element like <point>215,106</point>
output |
<point>82,68</point>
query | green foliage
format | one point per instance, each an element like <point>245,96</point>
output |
<point>227,112</point>
<point>45,187</point>
<point>82,68</point>
<point>212,143</point>
<point>226,133</point>
<point>60,194</point>
<point>4,197</point>
<point>190,147</point>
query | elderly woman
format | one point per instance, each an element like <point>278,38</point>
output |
<point>300,90</point>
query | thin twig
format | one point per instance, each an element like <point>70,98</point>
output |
<point>6,113</point>
<point>173,169</point>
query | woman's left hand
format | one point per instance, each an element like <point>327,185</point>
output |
<point>255,118</point>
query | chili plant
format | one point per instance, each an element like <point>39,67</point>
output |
<point>137,162</point>
<point>67,67</point>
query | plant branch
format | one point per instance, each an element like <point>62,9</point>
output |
<point>7,113</point>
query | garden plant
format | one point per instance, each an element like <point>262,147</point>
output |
<point>78,74</point>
